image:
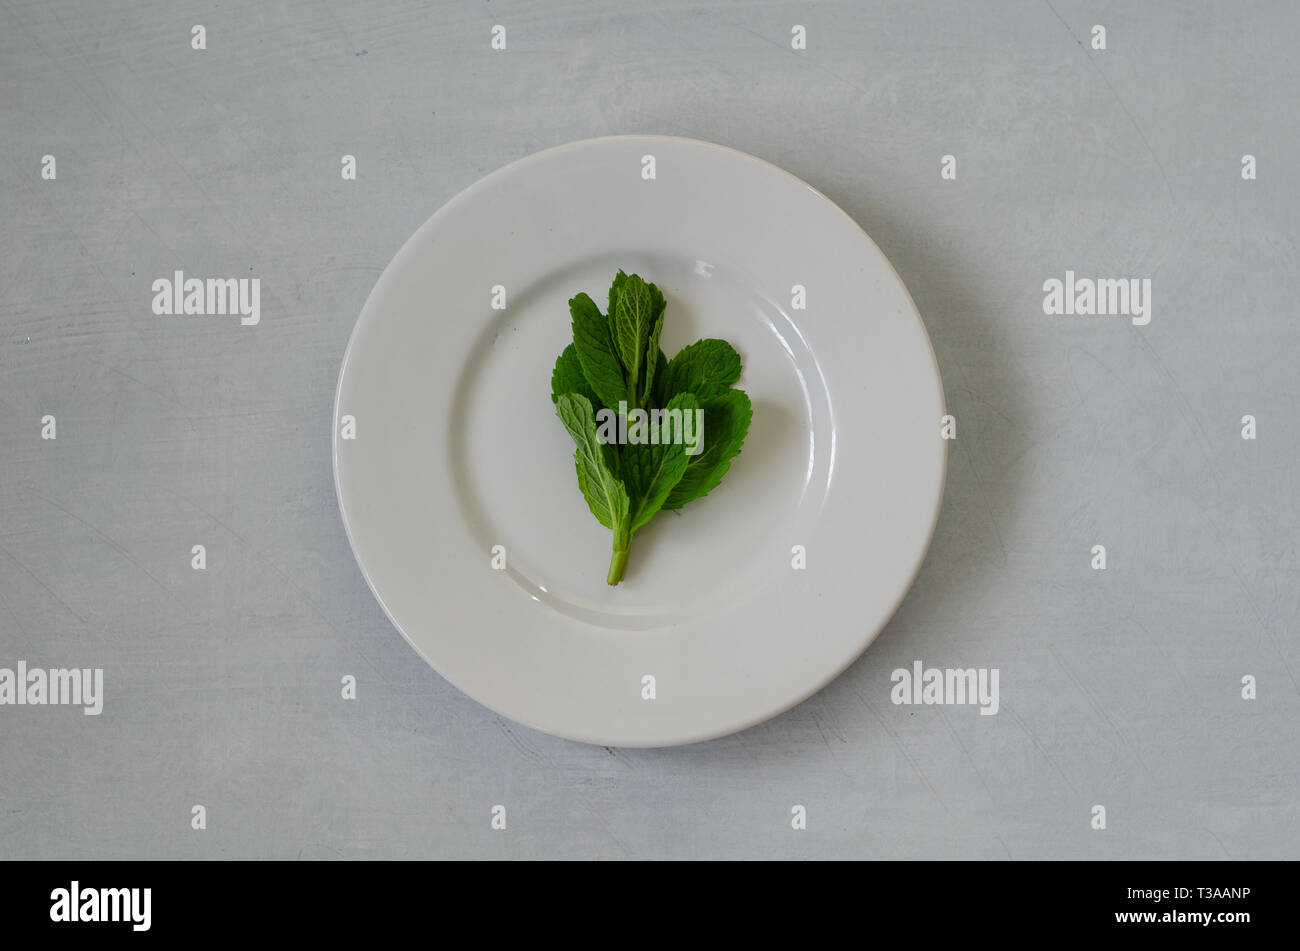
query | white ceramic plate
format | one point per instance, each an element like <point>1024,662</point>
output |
<point>457,448</point>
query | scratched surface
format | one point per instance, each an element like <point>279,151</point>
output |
<point>1120,688</point>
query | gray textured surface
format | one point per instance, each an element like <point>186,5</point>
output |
<point>1119,687</point>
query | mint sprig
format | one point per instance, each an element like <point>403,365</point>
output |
<point>614,370</point>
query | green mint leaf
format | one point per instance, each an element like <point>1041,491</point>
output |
<point>619,278</point>
<point>661,368</point>
<point>652,469</point>
<point>596,352</point>
<point>567,377</point>
<point>705,368</point>
<point>605,494</point>
<point>654,356</point>
<point>726,421</point>
<point>632,315</point>
<point>615,363</point>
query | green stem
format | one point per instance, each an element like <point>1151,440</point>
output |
<point>618,562</point>
<point>617,565</point>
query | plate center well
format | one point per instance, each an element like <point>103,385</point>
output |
<point>512,461</point>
